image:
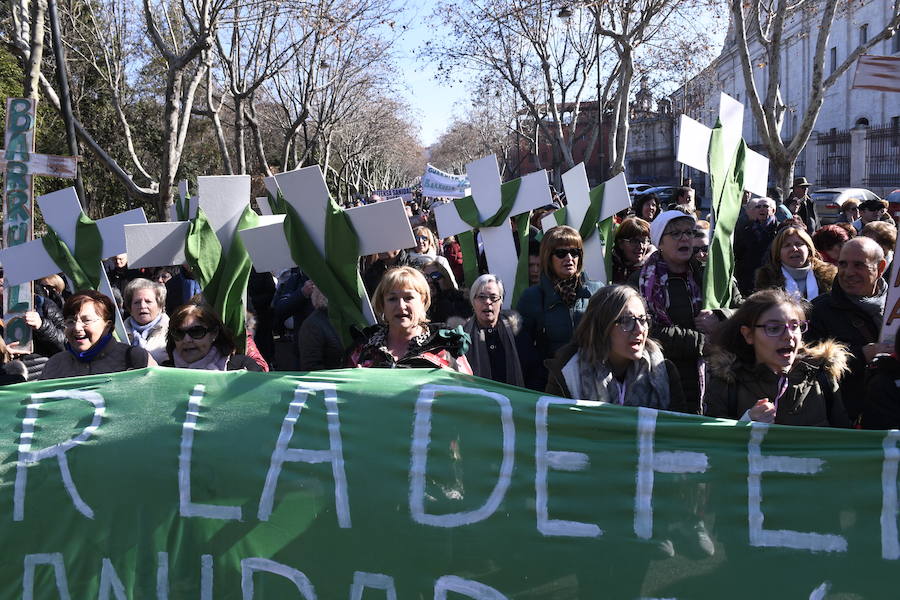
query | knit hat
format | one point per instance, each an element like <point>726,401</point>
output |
<point>658,226</point>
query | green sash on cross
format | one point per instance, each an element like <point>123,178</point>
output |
<point>726,174</point>
<point>223,279</point>
<point>82,267</point>
<point>337,273</point>
<point>468,212</point>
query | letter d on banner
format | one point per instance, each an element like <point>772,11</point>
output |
<point>420,442</point>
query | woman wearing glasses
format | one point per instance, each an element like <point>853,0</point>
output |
<point>672,283</point>
<point>631,248</point>
<point>761,370</point>
<point>612,358</point>
<point>89,319</point>
<point>552,309</point>
<point>496,343</point>
<point>197,339</point>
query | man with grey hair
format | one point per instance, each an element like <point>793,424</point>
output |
<point>751,242</point>
<point>852,314</point>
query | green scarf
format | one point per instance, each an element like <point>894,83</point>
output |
<point>726,174</point>
<point>337,273</point>
<point>468,212</point>
<point>222,277</point>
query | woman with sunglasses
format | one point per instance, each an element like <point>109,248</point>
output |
<point>552,309</point>
<point>761,370</point>
<point>631,248</point>
<point>671,281</point>
<point>197,339</point>
<point>448,303</point>
<point>426,251</point>
<point>612,358</point>
<point>89,319</point>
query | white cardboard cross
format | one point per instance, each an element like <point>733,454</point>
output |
<point>381,227</point>
<point>61,210</point>
<point>499,245</point>
<point>223,199</point>
<point>615,199</point>
<point>693,144</point>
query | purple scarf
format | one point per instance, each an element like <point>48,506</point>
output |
<point>653,287</point>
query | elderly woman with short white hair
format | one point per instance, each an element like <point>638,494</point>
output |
<point>493,352</point>
<point>147,323</point>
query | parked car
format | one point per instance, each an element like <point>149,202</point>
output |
<point>663,192</point>
<point>893,200</point>
<point>636,189</point>
<point>828,201</point>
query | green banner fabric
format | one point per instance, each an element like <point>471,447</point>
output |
<point>468,212</point>
<point>82,267</point>
<point>370,484</point>
<point>726,175</point>
<point>222,277</point>
<point>337,273</point>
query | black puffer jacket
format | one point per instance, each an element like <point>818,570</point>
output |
<point>812,397</point>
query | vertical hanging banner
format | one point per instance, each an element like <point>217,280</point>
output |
<point>416,483</point>
<point>20,164</point>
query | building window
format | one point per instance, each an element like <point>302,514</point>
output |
<point>895,125</point>
<point>895,43</point>
<point>863,34</point>
<point>833,55</point>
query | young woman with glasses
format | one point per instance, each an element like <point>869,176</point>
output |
<point>552,309</point>
<point>631,248</point>
<point>198,339</point>
<point>761,370</point>
<point>612,358</point>
<point>671,281</point>
<point>89,319</point>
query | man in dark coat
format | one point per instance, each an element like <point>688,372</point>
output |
<point>752,241</point>
<point>802,206</point>
<point>852,314</point>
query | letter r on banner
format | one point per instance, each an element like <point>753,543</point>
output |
<point>27,456</point>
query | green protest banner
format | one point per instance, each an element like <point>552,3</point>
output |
<point>369,484</point>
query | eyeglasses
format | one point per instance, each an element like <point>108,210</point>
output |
<point>423,238</point>
<point>564,252</point>
<point>699,249</point>
<point>84,322</point>
<point>682,234</point>
<point>435,275</point>
<point>629,322</point>
<point>196,332</point>
<point>492,298</point>
<point>642,242</point>
<point>776,329</point>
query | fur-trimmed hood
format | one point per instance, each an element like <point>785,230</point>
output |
<point>830,355</point>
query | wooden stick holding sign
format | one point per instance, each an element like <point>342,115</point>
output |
<point>586,208</point>
<point>21,164</point>
<point>62,212</point>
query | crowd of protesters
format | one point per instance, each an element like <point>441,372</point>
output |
<point>797,344</point>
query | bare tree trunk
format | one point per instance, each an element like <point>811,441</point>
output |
<point>240,149</point>
<point>33,67</point>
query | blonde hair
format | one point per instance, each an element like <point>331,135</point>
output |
<point>54,281</point>
<point>406,277</point>
<point>422,230</point>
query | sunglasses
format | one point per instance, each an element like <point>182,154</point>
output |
<point>564,252</point>
<point>435,276</point>
<point>196,332</point>
<point>699,249</point>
